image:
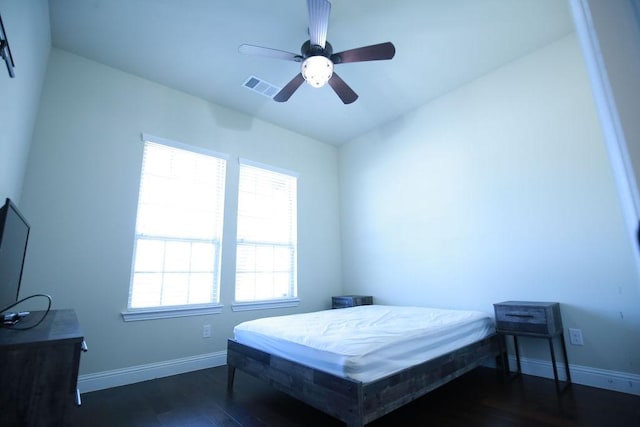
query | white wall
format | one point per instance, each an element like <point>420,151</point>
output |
<point>500,190</point>
<point>80,195</point>
<point>27,26</point>
<point>617,26</point>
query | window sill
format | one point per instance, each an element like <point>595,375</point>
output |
<point>264,305</point>
<point>134,314</point>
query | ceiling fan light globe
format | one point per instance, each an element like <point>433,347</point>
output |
<point>317,70</point>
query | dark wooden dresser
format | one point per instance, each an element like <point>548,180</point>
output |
<point>533,319</point>
<point>39,369</point>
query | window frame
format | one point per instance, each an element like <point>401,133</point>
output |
<point>196,309</point>
<point>292,299</point>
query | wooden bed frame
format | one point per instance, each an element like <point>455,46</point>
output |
<point>354,402</point>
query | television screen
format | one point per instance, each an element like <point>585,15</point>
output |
<point>14,233</point>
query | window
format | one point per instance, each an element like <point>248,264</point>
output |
<point>178,228</point>
<point>267,234</point>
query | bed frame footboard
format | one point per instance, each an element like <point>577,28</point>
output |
<point>354,402</point>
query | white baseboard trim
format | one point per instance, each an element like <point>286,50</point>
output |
<point>594,377</point>
<point>134,374</point>
<point>601,378</point>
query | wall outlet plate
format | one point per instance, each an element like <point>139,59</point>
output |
<point>575,336</point>
<point>206,331</point>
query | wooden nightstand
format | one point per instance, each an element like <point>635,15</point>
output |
<point>344,301</point>
<point>532,319</point>
<point>39,369</point>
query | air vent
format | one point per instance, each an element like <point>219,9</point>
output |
<point>262,87</point>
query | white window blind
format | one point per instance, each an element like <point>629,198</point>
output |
<point>267,234</point>
<point>178,228</point>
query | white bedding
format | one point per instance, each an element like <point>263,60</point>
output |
<point>365,342</point>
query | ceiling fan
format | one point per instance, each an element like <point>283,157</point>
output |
<point>317,58</point>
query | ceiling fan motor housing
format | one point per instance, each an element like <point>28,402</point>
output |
<point>316,67</point>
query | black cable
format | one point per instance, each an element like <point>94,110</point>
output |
<point>20,302</point>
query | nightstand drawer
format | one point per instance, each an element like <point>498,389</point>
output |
<point>528,317</point>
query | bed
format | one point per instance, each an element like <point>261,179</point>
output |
<point>360,363</point>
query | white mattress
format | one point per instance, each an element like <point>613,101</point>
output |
<point>367,342</point>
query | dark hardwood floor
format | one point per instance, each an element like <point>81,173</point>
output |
<point>476,399</point>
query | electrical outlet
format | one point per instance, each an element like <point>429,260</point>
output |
<point>206,331</point>
<point>575,336</point>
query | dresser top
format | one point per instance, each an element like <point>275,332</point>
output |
<point>528,303</point>
<point>58,325</point>
<point>352,296</point>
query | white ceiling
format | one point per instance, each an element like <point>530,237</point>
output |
<point>192,46</point>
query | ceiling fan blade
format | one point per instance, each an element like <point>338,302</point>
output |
<point>374,52</point>
<point>5,50</point>
<point>286,92</point>
<point>342,89</point>
<point>319,11</point>
<point>249,49</point>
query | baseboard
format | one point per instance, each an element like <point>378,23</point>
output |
<point>601,378</point>
<point>134,374</point>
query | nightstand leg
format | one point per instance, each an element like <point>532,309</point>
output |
<point>555,368</point>
<point>566,358</point>
<point>515,345</point>
<point>502,361</point>
<point>553,362</point>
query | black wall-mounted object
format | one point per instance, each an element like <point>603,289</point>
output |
<point>14,235</point>
<point>5,50</point>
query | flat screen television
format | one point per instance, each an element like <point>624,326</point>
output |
<point>14,234</point>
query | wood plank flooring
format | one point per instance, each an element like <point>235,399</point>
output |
<point>199,399</point>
